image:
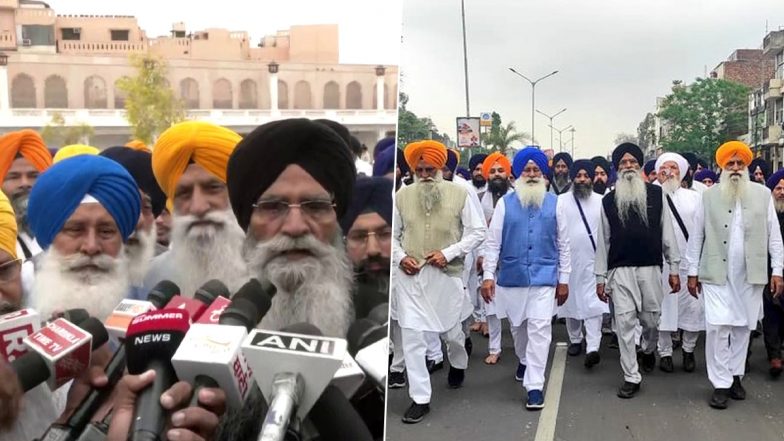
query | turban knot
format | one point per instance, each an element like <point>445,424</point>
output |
<point>206,144</point>
<point>621,150</point>
<point>529,154</point>
<point>265,153</point>
<point>27,143</point>
<point>432,152</point>
<point>732,148</point>
<point>7,226</point>
<point>582,164</point>
<point>491,159</point>
<point>59,191</point>
<point>72,150</point>
<point>370,195</point>
<point>139,164</point>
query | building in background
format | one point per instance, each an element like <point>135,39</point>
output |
<point>766,105</point>
<point>69,64</point>
<point>750,67</point>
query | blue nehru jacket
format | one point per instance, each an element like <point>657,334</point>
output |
<point>529,248</point>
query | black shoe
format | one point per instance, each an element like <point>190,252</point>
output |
<point>737,392</point>
<point>396,380</point>
<point>469,346</point>
<point>416,413</point>
<point>688,361</point>
<point>648,362</point>
<point>455,377</point>
<point>665,364</point>
<point>575,349</point>
<point>719,398</point>
<point>592,359</point>
<point>432,366</point>
<point>613,342</point>
<point>628,390</point>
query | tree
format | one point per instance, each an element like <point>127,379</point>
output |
<point>56,133</point>
<point>646,133</point>
<point>502,139</point>
<point>704,115</point>
<point>412,128</point>
<point>150,104</point>
<point>625,137</point>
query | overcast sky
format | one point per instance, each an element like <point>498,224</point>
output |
<point>614,56</point>
<point>369,30</point>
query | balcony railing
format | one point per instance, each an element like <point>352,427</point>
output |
<point>102,47</point>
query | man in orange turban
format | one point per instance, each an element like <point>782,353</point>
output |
<point>189,162</point>
<point>432,153</point>
<point>23,156</point>
<point>734,246</point>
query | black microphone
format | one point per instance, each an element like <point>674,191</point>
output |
<point>158,296</point>
<point>336,419</point>
<point>368,344</point>
<point>152,340</point>
<point>210,291</point>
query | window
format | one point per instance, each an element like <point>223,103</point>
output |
<point>780,65</point>
<point>119,34</point>
<point>37,35</point>
<point>71,33</point>
<point>179,34</point>
<point>778,112</point>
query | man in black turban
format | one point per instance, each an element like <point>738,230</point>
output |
<point>289,182</point>
<point>477,178</point>
<point>601,175</point>
<point>759,171</point>
<point>560,182</point>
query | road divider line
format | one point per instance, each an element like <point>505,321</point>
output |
<point>545,430</point>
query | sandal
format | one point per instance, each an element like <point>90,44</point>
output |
<point>492,359</point>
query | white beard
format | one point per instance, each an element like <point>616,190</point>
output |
<point>428,191</point>
<point>631,195</point>
<point>672,184</point>
<point>57,288</point>
<point>140,255</point>
<point>208,252</point>
<point>733,188</point>
<point>315,290</point>
<point>778,204</point>
<point>530,191</point>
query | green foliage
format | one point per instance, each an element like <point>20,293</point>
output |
<point>704,115</point>
<point>500,139</point>
<point>56,133</point>
<point>412,128</point>
<point>150,104</point>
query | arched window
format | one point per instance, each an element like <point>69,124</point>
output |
<point>221,95</point>
<point>55,93</point>
<point>23,91</point>
<point>302,98</point>
<point>353,95</point>
<point>189,92</point>
<point>283,95</point>
<point>95,93</point>
<point>331,95</point>
<point>248,95</point>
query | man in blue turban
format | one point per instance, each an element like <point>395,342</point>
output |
<point>528,233</point>
<point>82,210</point>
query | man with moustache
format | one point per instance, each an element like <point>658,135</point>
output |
<point>189,162</point>
<point>582,308</point>
<point>773,320</point>
<point>435,226</point>
<point>141,246</point>
<point>601,175</point>
<point>477,178</point>
<point>759,170</point>
<point>528,236</point>
<point>736,227</point>
<point>635,233</point>
<point>560,183</point>
<point>679,310</point>
<point>688,180</point>
<point>649,171</point>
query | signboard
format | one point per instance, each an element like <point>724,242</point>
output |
<point>485,120</point>
<point>468,132</point>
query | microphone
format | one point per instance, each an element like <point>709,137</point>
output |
<point>59,352</point>
<point>14,328</point>
<point>369,344</point>
<point>202,299</point>
<point>292,368</point>
<point>75,316</point>
<point>161,294</point>
<point>158,296</point>
<point>336,419</point>
<point>210,355</point>
<point>152,340</point>
<point>349,377</point>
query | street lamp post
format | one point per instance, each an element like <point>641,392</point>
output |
<point>551,123</point>
<point>572,130</point>
<point>533,96</point>
<point>560,139</point>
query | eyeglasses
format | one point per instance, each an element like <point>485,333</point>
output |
<point>317,210</point>
<point>359,239</point>
<point>10,270</point>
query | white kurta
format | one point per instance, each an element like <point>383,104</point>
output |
<point>737,302</point>
<point>491,307</point>
<point>681,310</point>
<point>583,302</point>
<point>537,302</point>
<point>469,267</point>
<point>431,300</point>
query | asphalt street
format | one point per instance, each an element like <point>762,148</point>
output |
<point>669,406</point>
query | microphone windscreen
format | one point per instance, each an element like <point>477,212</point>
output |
<point>94,326</point>
<point>154,335</point>
<point>210,291</point>
<point>162,293</point>
<point>356,334</point>
<point>248,306</point>
<point>31,370</point>
<point>74,316</point>
<point>302,328</point>
<point>335,418</point>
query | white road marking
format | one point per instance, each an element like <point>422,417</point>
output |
<point>545,430</point>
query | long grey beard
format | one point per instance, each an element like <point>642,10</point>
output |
<point>56,288</point>
<point>560,182</point>
<point>530,191</point>
<point>733,188</point>
<point>429,193</point>
<point>582,191</point>
<point>778,204</point>
<point>671,185</point>
<point>631,197</point>
<point>140,255</point>
<point>315,289</point>
<point>211,253</point>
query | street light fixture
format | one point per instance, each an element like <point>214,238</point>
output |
<point>560,140</point>
<point>273,67</point>
<point>533,96</point>
<point>3,59</point>
<point>551,123</point>
<point>380,70</point>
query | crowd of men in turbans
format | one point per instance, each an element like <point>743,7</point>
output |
<point>86,228</point>
<point>654,253</point>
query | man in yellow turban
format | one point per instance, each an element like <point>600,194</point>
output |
<point>189,162</point>
<point>435,226</point>
<point>736,230</point>
<point>23,156</point>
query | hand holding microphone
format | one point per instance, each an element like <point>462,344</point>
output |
<point>10,396</point>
